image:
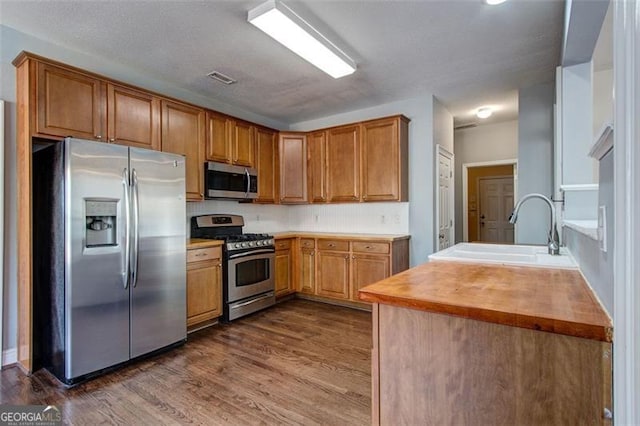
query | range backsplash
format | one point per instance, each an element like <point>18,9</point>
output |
<point>369,218</point>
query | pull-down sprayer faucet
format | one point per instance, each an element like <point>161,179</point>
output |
<point>553,238</point>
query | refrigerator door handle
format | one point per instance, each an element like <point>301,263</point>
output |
<point>136,233</point>
<point>127,228</point>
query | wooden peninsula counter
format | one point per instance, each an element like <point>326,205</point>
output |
<point>477,344</point>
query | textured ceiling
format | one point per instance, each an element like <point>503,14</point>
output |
<point>466,53</point>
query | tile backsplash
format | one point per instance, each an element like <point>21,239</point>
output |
<point>370,218</point>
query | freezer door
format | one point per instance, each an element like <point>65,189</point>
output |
<point>158,288</point>
<point>96,297</point>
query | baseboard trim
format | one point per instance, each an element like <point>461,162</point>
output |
<point>9,357</point>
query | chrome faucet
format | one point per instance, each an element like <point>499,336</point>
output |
<point>553,238</point>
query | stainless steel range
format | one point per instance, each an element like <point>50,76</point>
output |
<point>249,263</point>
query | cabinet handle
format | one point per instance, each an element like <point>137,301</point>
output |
<point>367,247</point>
<point>353,257</point>
<point>346,257</point>
<point>312,253</point>
<point>332,245</point>
<point>200,254</point>
<point>98,136</point>
<point>112,140</point>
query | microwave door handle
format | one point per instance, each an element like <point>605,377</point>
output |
<point>246,172</point>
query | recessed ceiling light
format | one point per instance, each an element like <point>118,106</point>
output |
<point>222,78</point>
<point>484,112</point>
<point>493,2</point>
<point>289,29</point>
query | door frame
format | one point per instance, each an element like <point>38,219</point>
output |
<point>436,217</point>
<point>465,178</point>
<point>479,198</point>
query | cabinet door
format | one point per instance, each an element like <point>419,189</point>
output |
<point>133,117</point>
<point>283,272</point>
<point>70,104</point>
<point>333,274</point>
<point>242,144</point>
<point>367,269</point>
<point>183,133</point>
<point>343,164</point>
<point>307,271</point>
<point>218,146</point>
<point>293,168</point>
<point>204,295</point>
<point>380,160</point>
<point>266,163</point>
<point>317,161</point>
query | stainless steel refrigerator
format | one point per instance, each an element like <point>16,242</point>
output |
<point>109,226</point>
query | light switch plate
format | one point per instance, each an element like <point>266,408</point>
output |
<point>602,228</point>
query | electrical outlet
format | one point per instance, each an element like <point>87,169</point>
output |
<point>383,219</point>
<point>396,219</point>
<point>602,228</point>
<point>257,218</point>
<point>315,218</point>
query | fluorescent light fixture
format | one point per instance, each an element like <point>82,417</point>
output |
<point>286,27</point>
<point>493,2</point>
<point>484,112</point>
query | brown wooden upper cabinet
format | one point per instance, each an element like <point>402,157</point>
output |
<point>242,147</point>
<point>183,133</point>
<point>70,103</point>
<point>292,149</point>
<point>317,163</point>
<point>343,163</point>
<point>384,159</point>
<point>267,164</point>
<point>229,140</point>
<point>133,117</point>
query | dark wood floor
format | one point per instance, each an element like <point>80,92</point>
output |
<point>300,362</point>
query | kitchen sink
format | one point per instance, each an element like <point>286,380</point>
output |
<point>503,254</point>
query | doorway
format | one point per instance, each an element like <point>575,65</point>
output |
<point>489,191</point>
<point>444,199</point>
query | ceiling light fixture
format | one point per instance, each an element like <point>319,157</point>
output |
<point>484,112</point>
<point>493,2</point>
<point>289,29</point>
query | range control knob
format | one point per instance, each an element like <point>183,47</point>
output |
<point>251,244</point>
<point>237,245</point>
<point>243,244</point>
<point>258,243</point>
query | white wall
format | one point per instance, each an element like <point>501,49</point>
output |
<point>419,214</point>
<point>602,99</point>
<point>488,142</point>
<point>442,126</point>
<point>577,127</point>
<point>535,160</point>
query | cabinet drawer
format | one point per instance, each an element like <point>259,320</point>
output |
<point>333,245</point>
<point>307,243</point>
<point>283,244</point>
<point>198,255</point>
<point>366,247</point>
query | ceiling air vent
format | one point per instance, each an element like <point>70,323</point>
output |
<point>217,75</point>
<point>465,126</point>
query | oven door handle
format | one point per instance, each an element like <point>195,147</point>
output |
<point>251,254</point>
<point>249,302</point>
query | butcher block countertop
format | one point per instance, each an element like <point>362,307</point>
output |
<point>338,235</point>
<point>554,300</point>
<point>196,243</point>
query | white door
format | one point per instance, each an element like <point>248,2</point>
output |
<point>444,199</point>
<point>496,203</point>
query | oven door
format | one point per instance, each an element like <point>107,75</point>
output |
<point>250,273</point>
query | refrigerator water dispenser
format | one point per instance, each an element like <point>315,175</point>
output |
<point>101,222</point>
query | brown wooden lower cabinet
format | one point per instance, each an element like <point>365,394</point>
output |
<point>284,267</point>
<point>204,285</point>
<point>333,274</point>
<point>336,268</point>
<point>436,369</point>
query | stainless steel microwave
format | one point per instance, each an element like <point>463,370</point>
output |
<point>230,182</point>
